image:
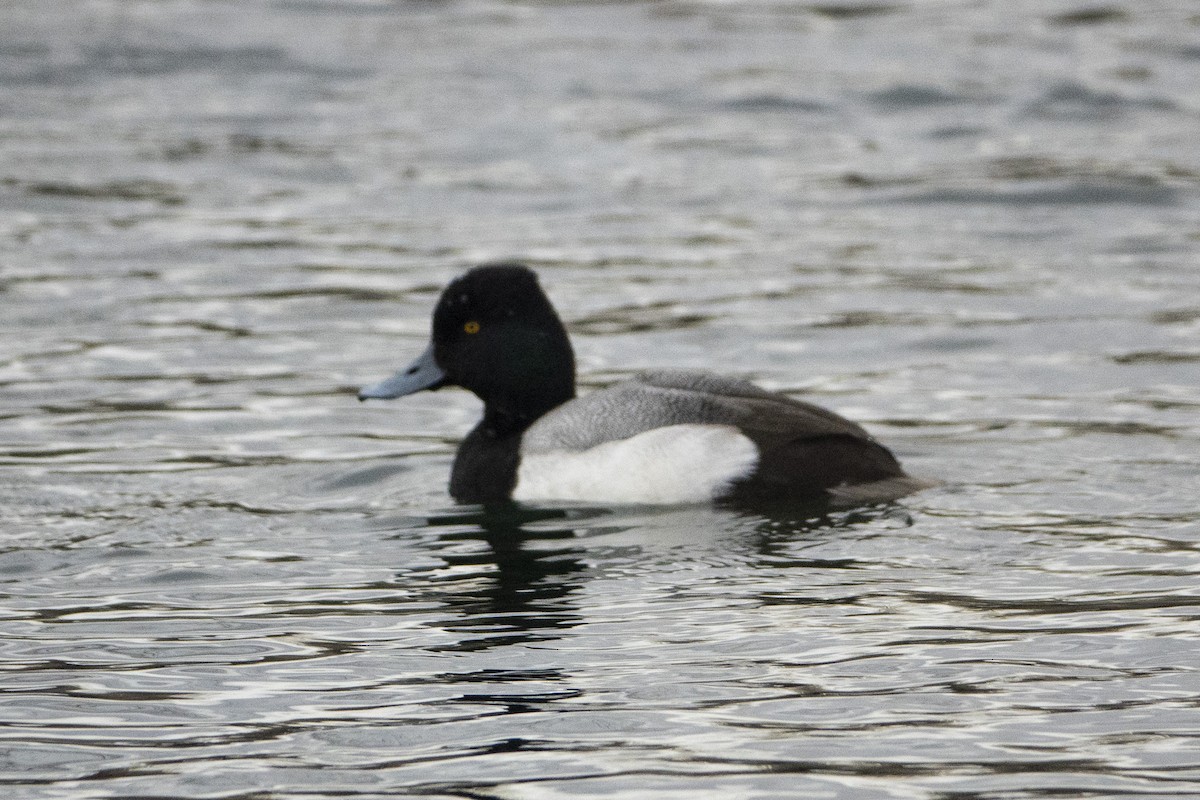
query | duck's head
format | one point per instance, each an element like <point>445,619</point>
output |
<point>496,334</point>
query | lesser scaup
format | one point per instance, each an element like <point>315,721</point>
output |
<point>664,437</point>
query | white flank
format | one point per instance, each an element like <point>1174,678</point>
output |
<point>671,465</point>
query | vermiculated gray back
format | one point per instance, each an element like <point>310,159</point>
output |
<point>674,397</point>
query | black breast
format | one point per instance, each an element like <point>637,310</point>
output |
<point>485,469</point>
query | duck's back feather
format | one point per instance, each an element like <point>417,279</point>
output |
<point>677,397</point>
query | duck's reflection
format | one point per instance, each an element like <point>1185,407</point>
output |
<point>510,575</point>
<point>507,574</point>
<point>500,576</point>
<point>512,578</point>
<point>772,533</point>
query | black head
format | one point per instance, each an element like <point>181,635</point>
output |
<point>496,334</point>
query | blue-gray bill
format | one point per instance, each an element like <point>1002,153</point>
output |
<point>424,373</point>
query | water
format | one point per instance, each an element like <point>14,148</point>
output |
<point>972,226</point>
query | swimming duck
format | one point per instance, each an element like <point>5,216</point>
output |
<point>664,437</point>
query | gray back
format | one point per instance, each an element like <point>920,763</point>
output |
<point>675,397</point>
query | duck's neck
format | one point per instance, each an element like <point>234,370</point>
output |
<point>485,469</point>
<point>501,420</point>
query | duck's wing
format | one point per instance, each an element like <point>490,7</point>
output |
<point>804,449</point>
<point>675,397</point>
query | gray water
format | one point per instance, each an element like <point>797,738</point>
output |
<point>973,226</point>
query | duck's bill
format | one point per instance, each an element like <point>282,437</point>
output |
<point>422,374</point>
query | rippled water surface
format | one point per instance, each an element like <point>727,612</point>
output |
<point>973,226</point>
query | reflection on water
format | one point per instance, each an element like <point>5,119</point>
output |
<point>530,578</point>
<point>971,227</point>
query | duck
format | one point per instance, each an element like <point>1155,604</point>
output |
<point>662,437</point>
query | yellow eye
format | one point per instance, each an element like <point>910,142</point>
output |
<point>471,327</point>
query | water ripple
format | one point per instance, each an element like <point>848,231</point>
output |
<point>222,576</point>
